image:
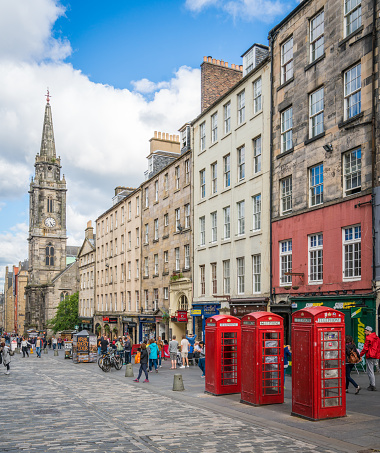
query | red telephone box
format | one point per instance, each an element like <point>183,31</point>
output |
<point>223,355</point>
<point>318,363</point>
<point>262,356</point>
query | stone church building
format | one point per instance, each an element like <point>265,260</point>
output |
<point>53,274</point>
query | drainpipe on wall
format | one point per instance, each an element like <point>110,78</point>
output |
<point>374,201</point>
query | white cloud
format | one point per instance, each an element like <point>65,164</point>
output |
<point>101,133</point>
<point>25,30</point>
<point>265,10</point>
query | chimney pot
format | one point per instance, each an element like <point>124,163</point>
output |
<point>213,61</point>
<point>232,66</point>
<point>222,62</point>
<point>209,59</point>
<point>159,135</point>
<point>226,64</point>
<point>204,58</point>
<point>218,62</point>
<point>241,67</point>
<point>171,138</point>
<point>155,134</point>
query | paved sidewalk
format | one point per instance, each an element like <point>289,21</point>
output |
<point>53,405</point>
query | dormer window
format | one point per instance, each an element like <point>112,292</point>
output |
<point>150,164</point>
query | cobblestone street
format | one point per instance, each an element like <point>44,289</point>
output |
<point>53,405</point>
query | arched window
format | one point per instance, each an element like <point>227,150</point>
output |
<point>49,255</point>
<point>64,295</point>
<point>49,204</point>
<point>183,304</point>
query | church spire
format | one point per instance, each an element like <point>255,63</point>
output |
<point>47,142</point>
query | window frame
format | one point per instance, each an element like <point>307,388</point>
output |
<point>353,174</point>
<point>227,170</point>
<point>227,117</point>
<point>286,195</point>
<point>287,130</point>
<point>257,96</point>
<point>241,107</point>
<point>227,222</point>
<point>354,94</point>
<point>241,163</point>
<point>316,36</point>
<point>256,209</point>
<point>286,258</point>
<point>214,127</point>
<point>355,244</point>
<point>202,135</point>
<point>348,14</point>
<point>287,60</point>
<point>316,185</point>
<point>240,207</point>
<point>256,273</point>
<point>202,182</point>
<point>240,270</point>
<point>227,276</point>
<point>315,254</point>
<point>214,177</point>
<point>214,226</point>
<point>316,112</point>
<point>257,151</point>
<point>202,230</point>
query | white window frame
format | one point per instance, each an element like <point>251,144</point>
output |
<point>352,92</point>
<point>187,171</point>
<point>166,293</point>
<point>137,237</point>
<point>214,278</point>
<point>202,135</point>
<point>257,154</point>
<point>316,185</point>
<point>146,233</point>
<point>214,177</point>
<point>286,190</point>
<point>129,240</point>
<point>352,165</point>
<point>240,268</point>
<point>156,191</point>
<point>351,240</point>
<point>241,107</point>
<point>240,205</point>
<point>146,266</point>
<point>287,60</point>
<point>352,16</point>
<point>241,162</point>
<point>315,244</point>
<point>137,206</point>
<point>287,130</point>
<point>156,264</point>
<point>166,220</point>
<point>257,96</point>
<point>177,219</point>
<point>202,279</point>
<point>316,112</point>
<point>187,215</point>
<point>286,258</point>
<point>227,117</point>
<point>202,230</point>
<point>317,37</point>
<point>129,270</point>
<point>166,182</point>
<point>214,226</point>
<point>256,202</point>
<point>227,222</point>
<point>256,274</point>
<point>177,259</point>
<point>187,256</point>
<point>155,229</point>
<point>226,276</point>
<point>202,182</point>
<point>177,176</point>
<point>227,170</point>
<point>214,127</point>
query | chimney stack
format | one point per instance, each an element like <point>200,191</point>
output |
<point>89,231</point>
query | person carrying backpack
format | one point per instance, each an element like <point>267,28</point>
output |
<point>371,350</point>
<point>352,357</point>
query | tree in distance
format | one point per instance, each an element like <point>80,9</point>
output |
<point>66,317</point>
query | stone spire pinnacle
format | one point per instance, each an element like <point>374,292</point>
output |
<point>47,142</point>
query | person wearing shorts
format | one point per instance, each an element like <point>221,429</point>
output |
<point>185,351</point>
<point>173,348</point>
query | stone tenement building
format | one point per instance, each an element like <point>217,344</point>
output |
<point>166,249</point>
<point>49,279</point>
<point>87,269</point>
<point>232,197</point>
<point>323,158</point>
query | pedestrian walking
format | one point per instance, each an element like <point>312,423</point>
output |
<point>120,348</point>
<point>352,357</point>
<point>202,358</point>
<point>39,344</point>
<point>5,356</point>
<point>54,342</point>
<point>103,344</point>
<point>371,350</point>
<point>59,343</point>
<point>153,355</point>
<point>143,364</point>
<point>173,349</point>
<point>160,345</point>
<point>185,352</point>
<point>25,345</point>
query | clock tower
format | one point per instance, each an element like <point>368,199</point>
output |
<point>47,228</point>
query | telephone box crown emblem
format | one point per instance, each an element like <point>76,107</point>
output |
<point>228,320</point>
<point>270,317</point>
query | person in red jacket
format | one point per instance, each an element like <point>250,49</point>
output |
<point>370,350</point>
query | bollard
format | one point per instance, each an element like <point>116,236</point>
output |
<point>129,370</point>
<point>178,383</point>
<point>56,352</point>
<point>46,351</point>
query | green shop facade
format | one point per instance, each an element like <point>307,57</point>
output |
<point>359,311</point>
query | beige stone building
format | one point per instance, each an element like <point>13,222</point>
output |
<point>86,263</point>
<point>231,146</point>
<point>111,237</point>
<point>166,245</point>
<point>9,301</point>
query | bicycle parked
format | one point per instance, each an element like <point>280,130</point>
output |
<point>109,360</point>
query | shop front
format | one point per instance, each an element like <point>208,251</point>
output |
<point>147,327</point>
<point>200,313</point>
<point>129,327</point>
<point>179,323</point>
<point>359,311</point>
<point>242,307</point>
<point>284,309</point>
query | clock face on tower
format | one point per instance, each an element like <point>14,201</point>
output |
<point>50,222</point>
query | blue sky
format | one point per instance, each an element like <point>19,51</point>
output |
<point>117,70</point>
